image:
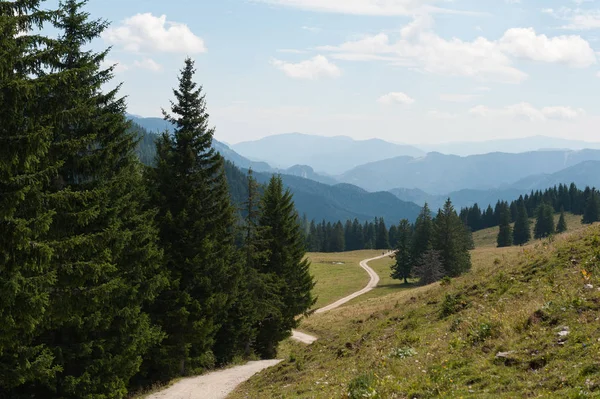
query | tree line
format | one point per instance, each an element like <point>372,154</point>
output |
<point>568,198</point>
<point>114,276</point>
<point>350,236</point>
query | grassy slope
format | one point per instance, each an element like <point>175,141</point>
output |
<point>515,300</point>
<point>488,237</point>
<point>337,281</point>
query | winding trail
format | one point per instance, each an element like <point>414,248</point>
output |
<point>219,384</point>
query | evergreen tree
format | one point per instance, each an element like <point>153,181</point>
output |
<point>591,213</point>
<point>287,264</point>
<point>423,233</point>
<point>383,241</point>
<point>429,268</point>
<point>195,219</point>
<point>544,225</point>
<point>393,234</point>
<point>337,239</point>
<point>505,236</point>
<point>522,229</point>
<point>401,270</point>
<point>358,241</point>
<point>106,257</point>
<point>27,272</point>
<point>450,240</point>
<point>561,227</point>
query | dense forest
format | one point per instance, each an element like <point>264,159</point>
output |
<point>115,275</point>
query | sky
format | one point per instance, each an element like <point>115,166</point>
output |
<point>407,71</point>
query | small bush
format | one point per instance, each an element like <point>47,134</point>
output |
<point>453,304</point>
<point>482,332</point>
<point>363,387</point>
<point>446,281</point>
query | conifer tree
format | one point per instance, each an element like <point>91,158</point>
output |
<point>522,229</point>
<point>195,218</point>
<point>561,227</point>
<point>27,273</point>
<point>450,240</point>
<point>337,239</point>
<point>402,269</point>
<point>106,257</point>
<point>393,235</point>
<point>505,236</point>
<point>423,233</point>
<point>286,263</point>
<point>591,213</point>
<point>383,241</point>
<point>544,225</point>
<point>429,268</point>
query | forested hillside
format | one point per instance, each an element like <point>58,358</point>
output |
<point>115,276</point>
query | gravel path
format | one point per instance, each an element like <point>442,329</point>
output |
<point>219,384</point>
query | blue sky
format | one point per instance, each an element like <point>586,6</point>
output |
<point>410,71</point>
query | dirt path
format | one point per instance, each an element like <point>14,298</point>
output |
<point>215,385</point>
<point>219,384</point>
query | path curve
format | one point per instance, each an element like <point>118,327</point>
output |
<point>219,384</point>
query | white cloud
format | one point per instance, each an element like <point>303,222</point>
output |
<point>362,7</point>
<point>435,114</point>
<point>396,98</point>
<point>526,111</point>
<point>576,19</point>
<point>458,98</point>
<point>526,44</point>
<point>311,29</point>
<point>420,48</point>
<point>147,33</point>
<point>315,68</point>
<point>149,64</point>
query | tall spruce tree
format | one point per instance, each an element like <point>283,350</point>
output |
<point>195,218</point>
<point>401,270</point>
<point>423,233</point>
<point>451,241</point>
<point>338,242</point>
<point>505,235</point>
<point>106,259</point>
<point>522,229</point>
<point>544,225</point>
<point>287,265</point>
<point>27,272</point>
<point>561,227</point>
<point>383,240</point>
<point>591,212</point>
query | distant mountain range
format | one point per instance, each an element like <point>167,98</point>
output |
<point>527,144</point>
<point>325,200</point>
<point>441,174</point>
<point>330,155</point>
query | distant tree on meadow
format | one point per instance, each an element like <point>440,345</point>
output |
<point>337,238</point>
<point>402,269</point>
<point>522,229</point>
<point>429,268</point>
<point>382,241</point>
<point>450,239</point>
<point>591,213</point>
<point>544,224</point>
<point>505,235</point>
<point>423,233</point>
<point>561,227</point>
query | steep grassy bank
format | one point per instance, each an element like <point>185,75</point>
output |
<point>523,323</point>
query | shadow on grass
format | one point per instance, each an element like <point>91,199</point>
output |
<point>399,286</point>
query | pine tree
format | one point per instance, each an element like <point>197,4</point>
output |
<point>195,220</point>
<point>337,239</point>
<point>561,227</point>
<point>450,240</point>
<point>402,269</point>
<point>106,256</point>
<point>591,213</point>
<point>393,234</point>
<point>27,272</point>
<point>423,233</point>
<point>522,228</point>
<point>287,264</point>
<point>505,236</point>
<point>382,241</point>
<point>429,268</point>
<point>544,225</point>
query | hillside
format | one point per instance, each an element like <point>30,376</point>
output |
<point>343,201</point>
<point>523,323</point>
<point>584,174</point>
<point>441,174</point>
<point>332,155</point>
